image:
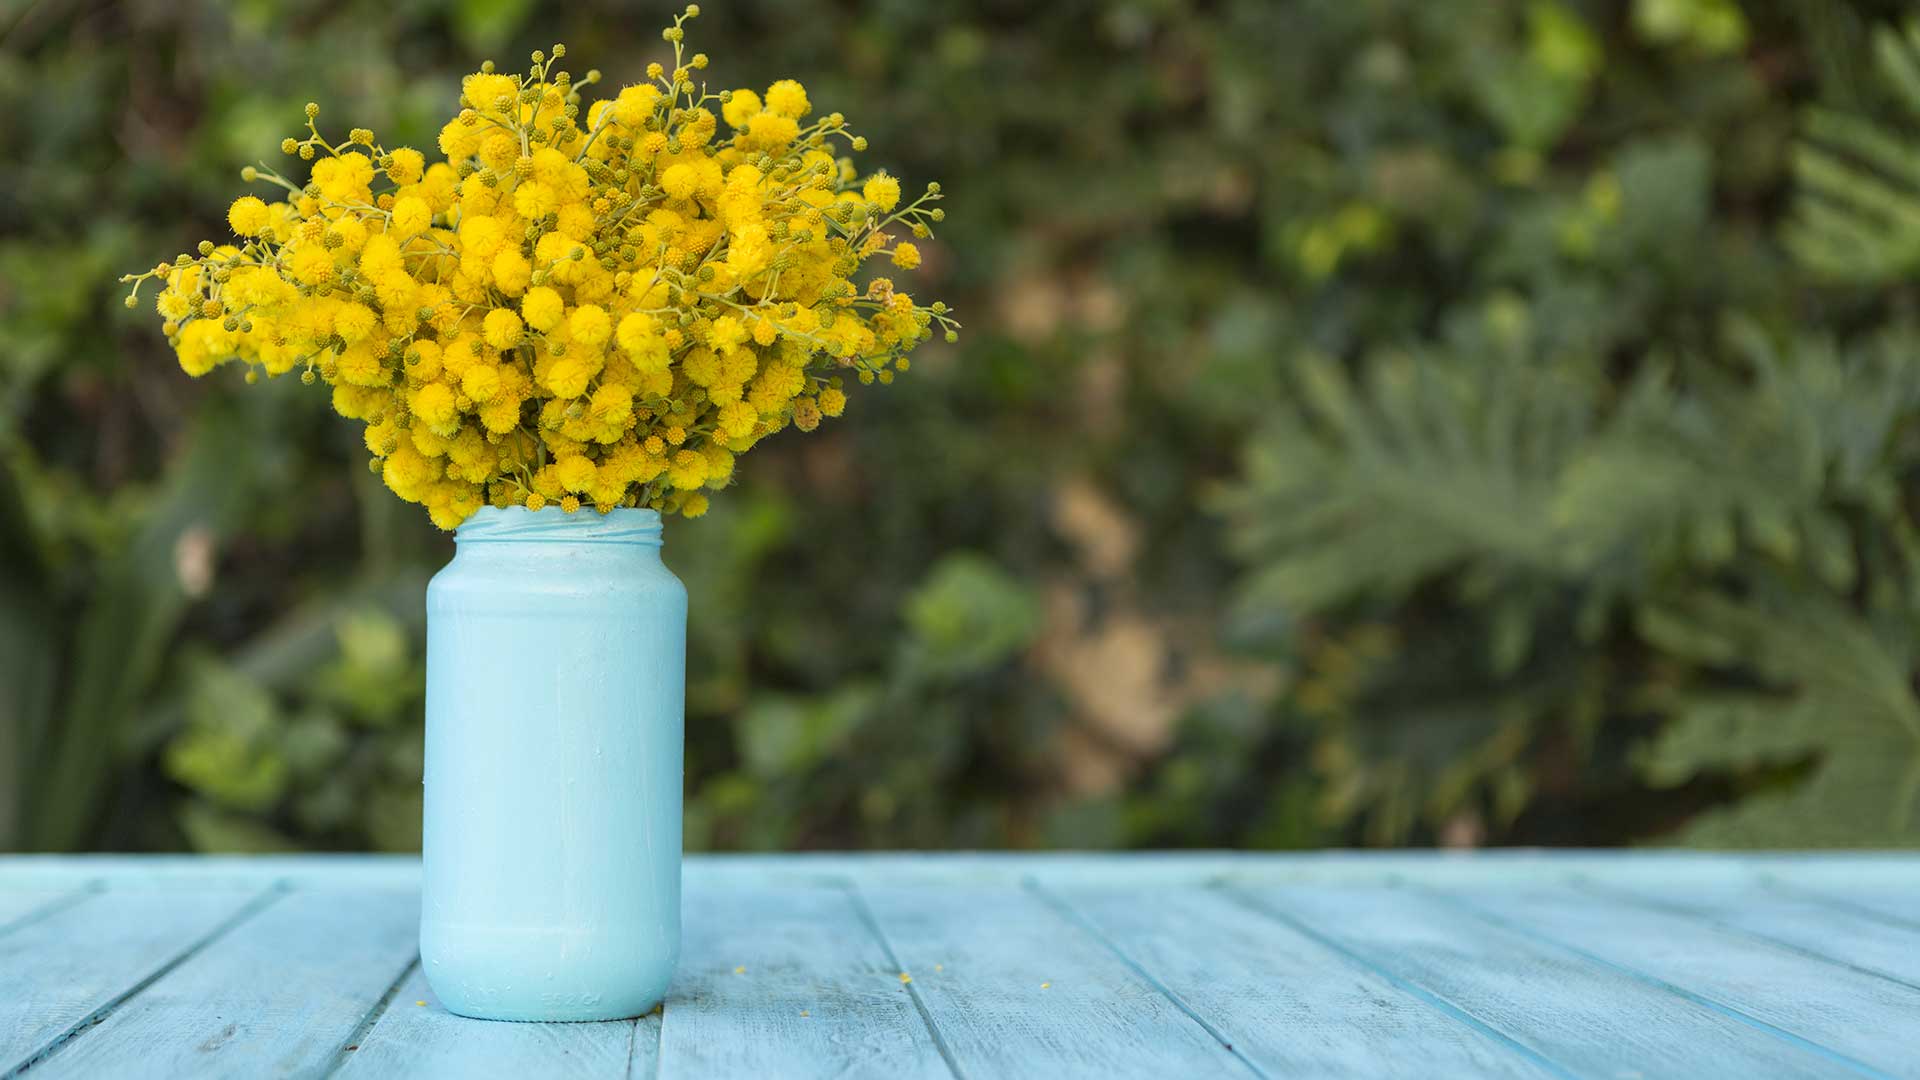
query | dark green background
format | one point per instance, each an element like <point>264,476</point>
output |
<point>1378,422</point>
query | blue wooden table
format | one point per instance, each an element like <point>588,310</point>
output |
<point>1592,965</point>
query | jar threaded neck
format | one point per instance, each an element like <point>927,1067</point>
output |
<point>517,524</point>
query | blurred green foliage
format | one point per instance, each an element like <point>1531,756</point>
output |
<point>1379,421</point>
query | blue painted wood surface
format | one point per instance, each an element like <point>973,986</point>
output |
<point>1338,965</point>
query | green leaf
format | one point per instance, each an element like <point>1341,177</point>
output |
<point>785,736</point>
<point>230,749</point>
<point>970,615</point>
<point>486,25</point>
<point>1842,698</point>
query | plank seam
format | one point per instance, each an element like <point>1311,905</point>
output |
<point>633,1041</point>
<point>1837,903</point>
<point>98,1016</point>
<point>659,1043</point>
<point>1800,1041</point>
<point>357,1037</point>
<point>54,906</point>
<point>1667,907</point>
<point>1420,993</point>
<point>865,915</point>
<point>1066,911</point>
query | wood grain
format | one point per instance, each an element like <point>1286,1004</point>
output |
<point>414,1036</point>
<point>1859,1021</point>
<point>279,994</point>
<point>1838,934</point>
<point>1581,964</point>
<point>1007,982</point>
<point>1287,1003</point>
<point>20,907</point>
<point>788,981</point>
<point>1582,1018</point>
<point>64,970</point>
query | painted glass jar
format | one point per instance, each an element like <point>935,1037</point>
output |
<point>556,669</point>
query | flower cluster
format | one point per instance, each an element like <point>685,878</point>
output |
<point>583,307</point>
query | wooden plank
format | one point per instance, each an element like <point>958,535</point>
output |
<point>1289,1004</point>
<point>426,1041</point>
<point>789,981</point>
<point>1838,934</point>
<point>1851,1017</point>
<point>209,871</point>
<point>982,868</point>
<point>1847,871</point>
<point>1584,1018</point>
<point>67,968</point>
<point>18,907</point>
<point>1895,906</point>
<point>1201,867</point>
<point>1009,985</point>
<point>280,994</point>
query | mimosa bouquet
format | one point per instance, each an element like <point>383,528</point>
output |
<point>583,305</point>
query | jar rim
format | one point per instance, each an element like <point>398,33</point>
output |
<point>550,524</point>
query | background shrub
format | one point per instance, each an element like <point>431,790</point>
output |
<point>1378,422</point>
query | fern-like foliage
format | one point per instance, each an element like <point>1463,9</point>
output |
<point>1720,547</point>
<point>1613,518</point>
<point>1818,682</point>
<point>1858,218</point>
<point>1373,484</point>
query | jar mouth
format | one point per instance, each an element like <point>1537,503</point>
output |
<point>550,524</point>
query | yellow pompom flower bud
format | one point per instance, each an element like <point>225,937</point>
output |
<point>688,470</point>
<point>411,217</point>
<point>542,308</point>
<point>680,181</point>
<point>833,401</point>
<point>637,333</point>
<point>433,403</point>
<point>612,405</point>
<point>249,216</point>
<point>567,377</point>
<point>771,131</point>
<point>635,104</point>
<point>575,472</point>
<point>502,414</point>
<point>458,141</point>
<point>511,271</point>
<point>311,265</point>
<point>741,106</point>
<point>737,419</point>
<point>426,360</point>
<point>788,98</point>
<point>406,165</point>
<point>906,256</point>
<point>534,200</point>
<point>502,328</point>
<point>882,191</point>
<point>485,90</point>
<point>354,322</point>
<point>481,382</point>
<point>360,365</point>
<point>589,325</point>
<point>726,333</point>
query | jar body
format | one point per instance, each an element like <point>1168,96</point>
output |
<point>556,669</point>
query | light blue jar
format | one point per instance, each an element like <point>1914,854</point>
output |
<point>556,672</point>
